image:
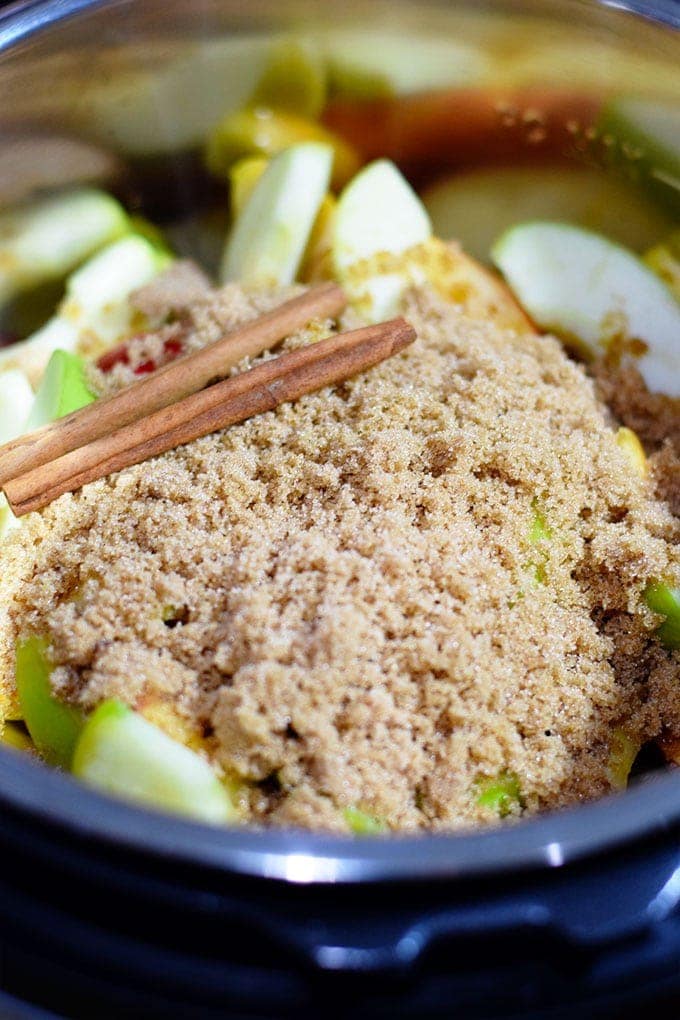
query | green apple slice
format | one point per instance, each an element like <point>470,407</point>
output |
<point>361,823</point>
<point>294,78</point>
<point>592,292</point>
<point>645,135</point>
<point>63,389</point>
<point>269,238</point>
<point>53,725</point>
<point>8,521</point>
<point>263,131</point>
<point>664,260</point>
<point>475,207</point>
<point>151,103</point>
<point>369,65</point>
<point>623,750</point>
<point>15,736</point>
<point>16,400</point>
<point>122,754</point>
<point>377,212</point>
<point>96,311</point>
<point>499,794</point>
<point>665,600</point>
<point>47,238</point>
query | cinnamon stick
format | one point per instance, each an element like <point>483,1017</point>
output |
<point>260,389</point>
<point>169,384</point>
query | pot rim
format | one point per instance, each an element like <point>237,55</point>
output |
<point>22,18</point>
<point>551,841</point>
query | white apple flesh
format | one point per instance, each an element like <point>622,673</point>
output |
<point>122,754</point>
<point>96,304</point>
<point>269,238</point>
<point>591,293</point>
<point>377,213</point>
<point>16,400</point>
<point>47,238</point>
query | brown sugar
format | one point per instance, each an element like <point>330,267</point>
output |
<point>349,596</point>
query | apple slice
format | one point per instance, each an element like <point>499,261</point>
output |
<point>361,823</point>
<point>664,260</point>
<point>16,400</point>
<point>243,176</point>
<point>377,212</point>
<point>95,312</point>
<point>382,245</point>
<point>8,521</point>
<point>164,98</point>
<point>15,736</point>
<point>475,207</point>
<point>122,754</point>
<point>629,443</point>
<point>646,142</point>
<point>53,725</point>
<point>62,390</point>
<point>663,599</point>
<point>262,131</point>
<point>593,293</point>
<point>268,240</point>
<point>47,238</point>
<point>294,78</point>
<point>623,750</point>
<point>367,64</point>
<point>501,794</point>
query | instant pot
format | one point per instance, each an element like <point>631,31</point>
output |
<point>110,911</point>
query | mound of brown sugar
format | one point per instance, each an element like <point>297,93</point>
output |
<point>378,596</point>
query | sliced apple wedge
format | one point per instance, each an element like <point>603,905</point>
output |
<point>645,135</point>
<point>243,176</point>
<point>263,131</point>
<point>317,262</point>
<point>122,754</point>
<point>382,245</point>
<point>95,312</point>
<point>629,443</point>
<point>47,238</point>
<point>62,390</point>
<point>593,294</point>
<point>368,64</point>
<point>294,78</point>
<point>53,725</point>
<point>268,240</point>
<point>623,750</point>
<point>475,207</point>
<point>361,823</point>
<point>16,400</point>
<point>377,212</point>
<point>15,736</point>
<point>664,599</point>
<point>664,260</point>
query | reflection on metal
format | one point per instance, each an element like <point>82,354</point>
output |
<point>666,899</point>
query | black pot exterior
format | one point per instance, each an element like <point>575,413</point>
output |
<point>107,911</point>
